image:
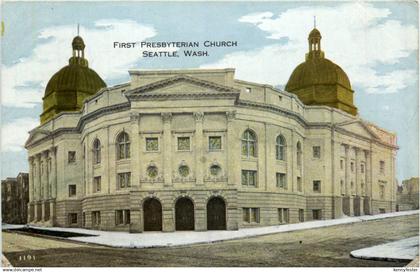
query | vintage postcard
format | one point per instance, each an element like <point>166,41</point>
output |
<point>209,134</point>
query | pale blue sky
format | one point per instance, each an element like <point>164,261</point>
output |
<point>382,64</point>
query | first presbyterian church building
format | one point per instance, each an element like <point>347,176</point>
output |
<point>201,150</point>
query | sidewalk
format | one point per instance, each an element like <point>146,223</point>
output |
<point>164,239</point>
<point>401,250</point>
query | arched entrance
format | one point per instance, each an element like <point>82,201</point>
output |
<point>184,214</point>
<point>152,214</point>
<point>216,214</point>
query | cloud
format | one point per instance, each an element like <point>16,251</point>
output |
<point>24,82</point>
<point>357,36</point>
<point>14,134</point>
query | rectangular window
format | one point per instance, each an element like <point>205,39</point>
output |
<point>352,166</point>
<point>299,184</point>
<point>124,180</point>
<point>301,215</point>
<point>281,181</point>
<point>251,215</point>
<point>317,214</point>
<point>316,151</point>
<point>183,143</point>
<point>96,218</point>
<point>215,143</point>
<point>362,168</point>
<point>122,217</point>
<point>249,178</point>
<point>382,167</point>
<point>72,218</point>
<point>71,156</point>
<point>72,190</point>
<point>96,184</point>
<point>317,186</point>
<point>341,164</point>
<point>283,214</point>
<point>152,144</point>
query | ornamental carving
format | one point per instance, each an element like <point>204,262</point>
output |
<point>134,116</point>
<point>198,116</point>
<point>166,117</point>
<point>230,115</point>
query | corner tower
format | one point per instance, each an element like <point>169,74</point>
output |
<point>67,88</point>
<point>319,81</point>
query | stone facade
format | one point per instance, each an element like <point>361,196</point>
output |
<point>14,199</point>
<point>212,151</point>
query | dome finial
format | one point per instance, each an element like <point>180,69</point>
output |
<point>78,50</point>
<point>314,41</point>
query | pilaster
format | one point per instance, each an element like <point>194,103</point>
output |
<point>135,160</point>
<point>233,150</point>
<point>198,149</point>
<point>167,148</point>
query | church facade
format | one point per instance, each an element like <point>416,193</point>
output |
<point>197,149</point>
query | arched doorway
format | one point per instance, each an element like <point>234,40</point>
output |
<point>184,214</point>
<point>152,211</point>
<point>216,214</point>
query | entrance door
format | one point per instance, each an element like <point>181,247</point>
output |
<point>216,214</point>
<point>184,214</point>
<point>152,211</point>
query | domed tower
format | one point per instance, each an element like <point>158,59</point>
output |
<point>319,81</point>
<point>67,88</point>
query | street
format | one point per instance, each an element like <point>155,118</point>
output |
<point>328,246</point>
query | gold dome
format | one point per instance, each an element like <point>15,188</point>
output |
<point>317,71</point>
<point>319,81</point>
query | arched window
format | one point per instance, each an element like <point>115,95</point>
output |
<point>97,151</point>
<point>280,148</point>
<point>299,154</point>
<point>123,146</point>
<point>249,144</point>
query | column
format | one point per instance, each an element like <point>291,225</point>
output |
<point>347,170</point>
<point>31,179</point>
<point>45,175</point>
<point>44,183</point>
<point>135,148</point>
<point>53,172</point>
<point>38,176</point>
<point>198,150</point>
<point>232,146</point>
<point>167,148</point>
<point>356,170</point>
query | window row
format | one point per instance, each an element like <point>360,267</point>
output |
<point>122,217</point>
<point>248,149</point>
<point>252,215</point>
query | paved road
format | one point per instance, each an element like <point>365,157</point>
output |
<point>317,247</point>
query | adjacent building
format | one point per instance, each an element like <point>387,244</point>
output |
<point>15,199</point>
<point>198,149</point>
<point>408,194</point>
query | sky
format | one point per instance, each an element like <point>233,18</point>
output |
<point>376,43</point>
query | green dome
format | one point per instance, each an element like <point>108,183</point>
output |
<point>75,77</point>
<point>317,71</point>
<point>71,85</point>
